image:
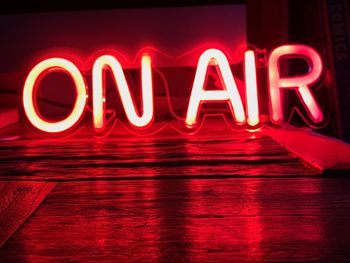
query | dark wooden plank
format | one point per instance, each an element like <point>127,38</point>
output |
<point>227,154</point>
<point>18,200</point>
<point>218,220</point>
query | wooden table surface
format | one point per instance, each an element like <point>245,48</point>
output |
<point>235,198</point>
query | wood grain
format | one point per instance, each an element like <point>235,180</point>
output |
<point>232,197</point>
<point>18,200</point>
<point>217,220</point>
<point>228,154</point>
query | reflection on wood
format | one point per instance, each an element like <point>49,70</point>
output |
<point>199,220</point>
<point>226,154</point>
<point>98,211</point>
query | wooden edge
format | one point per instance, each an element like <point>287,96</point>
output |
<point>327,154</point>
<point>18,200</point>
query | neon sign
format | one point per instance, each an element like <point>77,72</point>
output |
<point>229,93</point>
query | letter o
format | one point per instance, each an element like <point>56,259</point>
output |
<point>29,92</point>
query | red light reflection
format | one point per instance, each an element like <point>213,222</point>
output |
<point>179,220</point>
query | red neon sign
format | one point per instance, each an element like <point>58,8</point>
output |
<point>31,86</point>
<point>228,93</point>
<point>98,92</point>
<point>299,83</point>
